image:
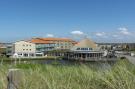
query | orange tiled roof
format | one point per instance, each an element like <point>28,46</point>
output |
<point>56,39</point>
<point>49,40</point>
<point>40,41</point>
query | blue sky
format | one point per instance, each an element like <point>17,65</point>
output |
<point>100,20</point>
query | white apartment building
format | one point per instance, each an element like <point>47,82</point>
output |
<point>24,49</point>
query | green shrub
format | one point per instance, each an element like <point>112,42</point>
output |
<point>120,76</point>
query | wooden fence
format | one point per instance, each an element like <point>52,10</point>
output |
<point>14,79</point>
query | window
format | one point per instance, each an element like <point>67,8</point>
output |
<point>32,55</point>
<point>25,55</point>
<point>90,48</point>
<point>85,49</point>
<point>82,48</point>
<point>78,49</point>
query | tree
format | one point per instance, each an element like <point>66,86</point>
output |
<point>2,51</point>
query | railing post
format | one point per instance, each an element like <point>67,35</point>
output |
<point>14,78</point>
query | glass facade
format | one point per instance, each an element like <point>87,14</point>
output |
<point>84,49</point>
<point>44,47</point>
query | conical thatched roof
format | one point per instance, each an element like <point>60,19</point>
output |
<point>86,43</point>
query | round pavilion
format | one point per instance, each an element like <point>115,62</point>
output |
<point>85,50</point>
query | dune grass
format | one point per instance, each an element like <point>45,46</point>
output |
<point>120,76</point>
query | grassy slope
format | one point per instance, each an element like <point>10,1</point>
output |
<point>121,76</point>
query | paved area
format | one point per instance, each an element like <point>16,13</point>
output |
<point>130,58</point>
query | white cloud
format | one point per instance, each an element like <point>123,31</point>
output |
<point>124,31</point>
<point>100,34</point>
<point>49,35</point>
<point>77,33</point>
<point>115,36</point>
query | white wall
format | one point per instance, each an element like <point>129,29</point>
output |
<point>24,47</point>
